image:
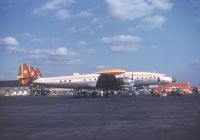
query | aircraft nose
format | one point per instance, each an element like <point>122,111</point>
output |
<point>173,80</point>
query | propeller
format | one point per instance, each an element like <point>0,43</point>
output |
<point>132,81</point>
<point>132,86</point>
<point>132,77</point>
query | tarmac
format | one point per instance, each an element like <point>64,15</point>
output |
<point>115,118</point>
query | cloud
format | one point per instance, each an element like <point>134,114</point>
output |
<point>196,7</point>
<point>196,63</point>
<point>152,22</point>
<point>149,22</point>
<point>126,48</point>
<point>123,43</point>
<point>57,7</point>
<point>100,67</point>
<point>61,55</point>
<point>164,5</point>
<point>88,29</point>
<point>62,51</point>
<point>82,43</point>
<point>121,38</point>
<point>129,9</point>
<point>10,44</point>
<point>91,50</point>
<point>96,20</point>
<point>72,29</point>
<point>146,12</point>
<point>153,47</point>
<point>85,14</point>
<point>52,5</point>
<point>135,9</point>
<point>36,39</point>
<point>62,14</point>
<point>95,24</point>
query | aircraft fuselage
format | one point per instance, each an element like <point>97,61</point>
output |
<point>85,81</point>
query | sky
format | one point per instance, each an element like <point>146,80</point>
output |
<point>62,37</point>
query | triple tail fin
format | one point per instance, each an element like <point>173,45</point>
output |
<point>38,72</point>
<point>23,74</point>
<point>33,74</point>
<point>27,74</point>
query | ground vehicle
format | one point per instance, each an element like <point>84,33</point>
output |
<point>177,92</point>
<point>174,91</point>
<point>196,90</point>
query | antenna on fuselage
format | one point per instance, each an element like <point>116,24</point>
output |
<point>154,70</point>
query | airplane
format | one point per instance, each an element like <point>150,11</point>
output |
<point>112,79</point>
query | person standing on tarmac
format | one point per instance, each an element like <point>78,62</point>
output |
<point>164,93</point>
<point>135,93</point>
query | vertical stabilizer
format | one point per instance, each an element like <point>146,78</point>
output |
<point>33,74</point>
<point>23,74</point>
<point>38,72</point>
<point>27,74</point>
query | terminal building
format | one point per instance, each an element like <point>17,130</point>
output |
<point>15,88</point>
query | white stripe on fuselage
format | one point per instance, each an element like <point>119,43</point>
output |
<point>90,80</point>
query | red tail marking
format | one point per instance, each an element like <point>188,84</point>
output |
<point>38,72</point>
<point>33,74</point>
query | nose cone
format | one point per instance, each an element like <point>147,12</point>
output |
<point>173,80</point>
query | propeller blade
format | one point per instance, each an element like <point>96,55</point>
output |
<point>132,77</point>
